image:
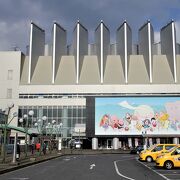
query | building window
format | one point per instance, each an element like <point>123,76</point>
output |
<point>9,93</point>
<point>10,75</point>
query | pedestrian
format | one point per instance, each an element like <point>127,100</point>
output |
<point>44,148</point>
<point>18,151</point>
<point>38,146</point>
<point>32,148</point>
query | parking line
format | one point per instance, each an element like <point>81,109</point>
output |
<point>152,170</point>
<point>117,171</point>
<point>171,174</point>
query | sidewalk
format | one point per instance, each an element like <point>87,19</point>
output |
<point>36,158</point>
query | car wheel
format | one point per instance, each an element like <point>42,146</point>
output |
<point>168,165</point>
<point>149,159</point>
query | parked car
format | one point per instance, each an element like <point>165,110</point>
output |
<point>152,152</point>
<point>170,159</point>
<point>137,149</point>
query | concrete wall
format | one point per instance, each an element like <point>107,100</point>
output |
<point>146,39</point>
<point>59,47</point>
<point>102,40</point>
<point>43,71</point>
<point>90,71</point>
<point>66,73</point>
<point>113,73</point>
<point>37,44</point>
<point>124,46</point>
<point>161,70</point>
<point>9,79</point>
<point>168,46</point>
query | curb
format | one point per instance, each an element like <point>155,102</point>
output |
<point>27,164</point>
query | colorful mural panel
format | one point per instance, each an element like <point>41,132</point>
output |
<point>137,115</point>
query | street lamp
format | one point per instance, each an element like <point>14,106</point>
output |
<point>25,118</point>
<point>40,127</point>
<point>6,123</point>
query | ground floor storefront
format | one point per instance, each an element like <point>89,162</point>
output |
<point>129,142</point>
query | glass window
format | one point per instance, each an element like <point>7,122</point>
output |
<point>10,75</point>
<point>70,111</point>
<point>78,112</point>
<point>54,111</point>
<point>59,111</point>
<point>45,111</point>
<point>74,112</point>
<point>176,152</point>
<point>49,111</point>
<point>158,148</point>
<point>9,93</point>
<point>168,147</point>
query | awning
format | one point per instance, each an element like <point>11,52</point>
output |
<point>19,129</point>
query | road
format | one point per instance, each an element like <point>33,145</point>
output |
<point>88,167</point>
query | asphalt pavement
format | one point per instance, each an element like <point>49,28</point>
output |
<point>87,167</point>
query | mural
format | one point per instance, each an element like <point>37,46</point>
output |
<point>137,115</point>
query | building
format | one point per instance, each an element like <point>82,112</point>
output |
<point>106,95</point>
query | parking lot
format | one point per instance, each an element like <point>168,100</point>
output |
<point>96,166</point>
<point>173,174</point>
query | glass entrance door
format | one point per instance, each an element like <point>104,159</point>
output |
<point>109,143</point>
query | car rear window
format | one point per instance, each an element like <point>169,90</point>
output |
<point>168,147</point>
<point>159,148</point>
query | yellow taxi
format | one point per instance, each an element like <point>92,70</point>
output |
<point>151,153</point>
<point>170,159</point>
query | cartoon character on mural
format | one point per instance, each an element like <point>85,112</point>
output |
<point>104,122</point>
<point>146,124</point>
<point>163,120</point>
<point>173,109</point>
<point>116,123</point>
<point>153,124</point>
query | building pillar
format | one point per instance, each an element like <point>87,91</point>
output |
<point>150,142</point>
<point>94,143</point>
<point>136,142</point>
<point>157,140</point>
<point>129,142</point>
<point>175,140</point>
<point>120,144</point>
<point>115,143</point>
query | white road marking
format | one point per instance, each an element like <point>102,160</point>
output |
<point>171,174</point>
<point>19,178</point>
<point>117,171</point>
<point>92,166</point>
<point>66,159</point>
<point>152,170</point>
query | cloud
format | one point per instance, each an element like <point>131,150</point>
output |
<point>156,36</point>
<point>15,16</point>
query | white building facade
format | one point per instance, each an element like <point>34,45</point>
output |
<point>67,85</point>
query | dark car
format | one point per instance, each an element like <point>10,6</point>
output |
<point>137,149</point>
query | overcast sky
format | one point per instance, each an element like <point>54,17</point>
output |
<point>15,17</point>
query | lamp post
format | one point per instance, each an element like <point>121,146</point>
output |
<point>6,123</point>
<point>145,139</point>
<point>25,118</point>
<point>40,127</point>
<point>58,129</point>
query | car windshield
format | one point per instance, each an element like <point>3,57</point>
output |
<point>151,147</point>
<point>172,149</point>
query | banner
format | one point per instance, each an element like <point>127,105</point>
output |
<point>137,116</point>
